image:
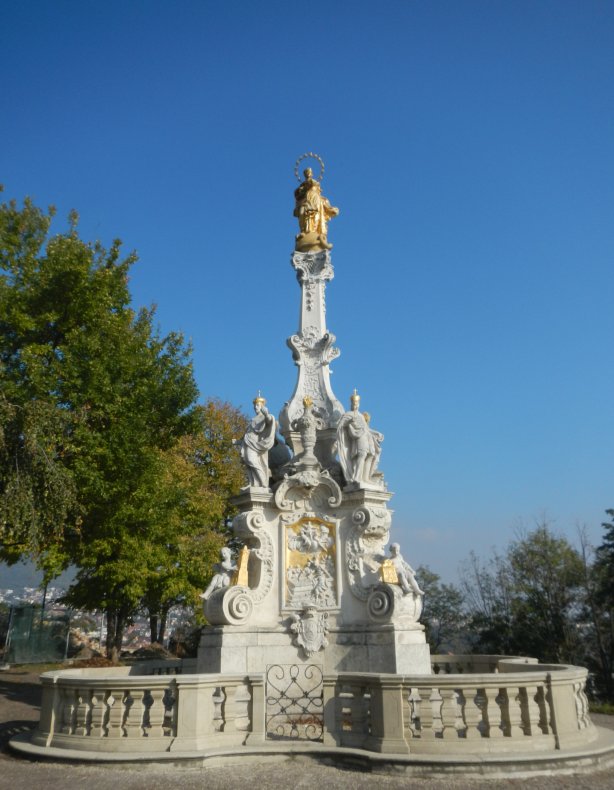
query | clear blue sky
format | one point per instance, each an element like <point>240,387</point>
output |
<point>470,148</point>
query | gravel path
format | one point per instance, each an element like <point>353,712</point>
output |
<point>19,709</point>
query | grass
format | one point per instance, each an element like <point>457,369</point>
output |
<point>602,707</point>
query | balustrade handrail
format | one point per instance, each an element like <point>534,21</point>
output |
<point>137,708</point>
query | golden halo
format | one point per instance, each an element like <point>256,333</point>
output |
<point>309,155</point>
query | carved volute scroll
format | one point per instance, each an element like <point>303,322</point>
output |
<point>251,527</point>
<point>365,548</point>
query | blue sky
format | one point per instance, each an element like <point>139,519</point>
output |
<point>470,148</point>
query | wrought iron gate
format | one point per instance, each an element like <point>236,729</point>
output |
<point>294,702</point>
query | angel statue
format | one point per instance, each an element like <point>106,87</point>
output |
<point>224,571</point>
<point>255,445</point>
<point>406,576</point>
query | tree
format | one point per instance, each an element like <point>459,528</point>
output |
<point>527,601</point>
<point>37,492</point>
<point>443,614</point>
<point>107,394</point>
<point>191,497</point>
<point>598,567</point>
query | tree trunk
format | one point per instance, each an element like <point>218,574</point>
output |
<point>162,630</point>
<point>116,623</point>
<point>157,626</point>
<point>153,628</point>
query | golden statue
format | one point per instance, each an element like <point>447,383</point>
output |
<point>313,210</point>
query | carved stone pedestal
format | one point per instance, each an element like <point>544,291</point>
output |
<point>316,585</point>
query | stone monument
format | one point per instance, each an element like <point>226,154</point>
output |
<point>314,583</point>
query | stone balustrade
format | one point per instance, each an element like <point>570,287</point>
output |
<point>519,705</point>
<point>470,705</point>
<point>121,709</point>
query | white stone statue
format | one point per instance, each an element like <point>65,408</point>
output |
<point>358,446</point>
<point>224,571</point>
<point>406,575</point>
<point>255,445</point>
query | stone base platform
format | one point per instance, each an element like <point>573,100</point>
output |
<point>595,756</point>
<point>247,649</point>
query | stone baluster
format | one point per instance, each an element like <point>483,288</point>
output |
<point>98,710</point>
<point>82,717</point>
<point>427,730</point>
<point>229,708</point>
<point>449,713</point>
<point>531,713</point>
<point>472,713</point>
<point>156,712</point>
<point>512,712</point>
<point>219,697</point>
<point>492,713</point>
<point>134,710</point>
<point>69,706</point>
<point>410,712</point>
<point>115,704</point>
<point>242,700</point>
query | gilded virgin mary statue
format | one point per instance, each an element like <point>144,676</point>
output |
<point>313,211</point>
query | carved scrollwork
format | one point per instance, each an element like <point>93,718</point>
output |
<point>306,488</point>
<point>364,546</point>
<point>386,603</point>
<point>380,604</point>
<point>249,523</point>
<point>250,526</point>
<point>311,266</point>
<point>231,606</point>
<point>312,350</point>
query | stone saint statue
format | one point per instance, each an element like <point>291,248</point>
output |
<point>405,573</point>
<point>255,445</point>
<point>313,211</point>
<point>308,425</point>
<point>358,446</point>
<point>224,571</point>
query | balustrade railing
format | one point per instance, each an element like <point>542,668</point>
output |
<point>510,704</point>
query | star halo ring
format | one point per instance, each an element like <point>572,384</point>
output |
<point>309,155</point>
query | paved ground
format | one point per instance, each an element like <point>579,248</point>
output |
<point>19,709</point>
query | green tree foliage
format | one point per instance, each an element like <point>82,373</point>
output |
<point>598,614</point>
<point>190,497</point>
<point>443,615</point>
<point>528,600</point>
<point>37,492</point>
<point>91,395</point>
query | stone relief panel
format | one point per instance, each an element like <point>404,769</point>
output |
<point>310,568</point>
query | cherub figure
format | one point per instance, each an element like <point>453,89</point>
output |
<point>224,571</point>
<point>405,573</point>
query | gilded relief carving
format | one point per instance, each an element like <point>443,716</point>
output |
<point>311,555</point>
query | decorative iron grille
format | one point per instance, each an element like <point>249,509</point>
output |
<point>294,702</point>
